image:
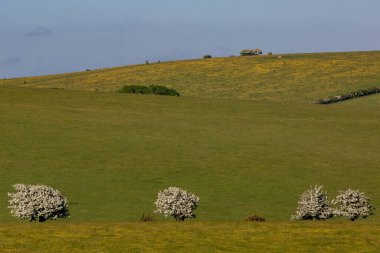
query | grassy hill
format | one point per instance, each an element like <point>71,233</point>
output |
<point>111,153</point>
<point>252,152</point>
<point>294,77</point>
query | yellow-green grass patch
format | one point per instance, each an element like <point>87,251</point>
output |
<point>205,237</point>
<point>294,77</point>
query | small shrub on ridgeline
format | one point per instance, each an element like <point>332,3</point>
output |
<point>249,52</point>
<point>152,89</point>
<point>207,56</point>
<point>254,218</point>
<point>176,202</point>
<point>352,204</point>
<point>37,203</point>
<point>313,205</point>
<point>270,53</point>
<point>146,218</point>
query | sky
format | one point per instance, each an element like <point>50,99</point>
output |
<point>39,37</point>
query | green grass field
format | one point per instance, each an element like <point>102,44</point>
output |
<point>110,154</point>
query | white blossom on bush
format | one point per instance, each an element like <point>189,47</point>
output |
<point>352,204</point>
<point>37,202</point>
<point>176,202</point>
<point>313,205</point>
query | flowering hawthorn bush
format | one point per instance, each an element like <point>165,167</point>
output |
<point>313,205</point>
<point>37,202</point>
<point>176,202</point>
<point>352,204</point>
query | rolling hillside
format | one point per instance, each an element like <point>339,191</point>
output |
<point>111,153</point>
<point>294,77</point>
<point>244,136</point>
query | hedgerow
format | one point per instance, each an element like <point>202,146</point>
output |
<point>354,94</point>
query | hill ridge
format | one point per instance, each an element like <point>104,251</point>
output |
<point>294,77</point>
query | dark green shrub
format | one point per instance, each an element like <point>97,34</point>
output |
<point>270,53</point>
<point>207,56</point>
<point>254,218</point>
<point>162,90</point>
<point>249,52</point>
<point>146,218</point>
<point>151,89</point>
<point>134,89</point>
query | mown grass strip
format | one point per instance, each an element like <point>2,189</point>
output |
<point>190,237</point>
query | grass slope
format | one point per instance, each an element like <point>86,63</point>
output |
<point>297,77</point>
<point>191,237</point>
<point>111,153</point>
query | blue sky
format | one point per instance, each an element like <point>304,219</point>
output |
<point>54,36</point>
